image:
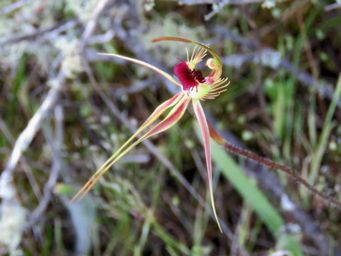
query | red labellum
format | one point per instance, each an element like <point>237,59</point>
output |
<point>188,78</point>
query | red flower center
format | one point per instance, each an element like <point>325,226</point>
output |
<point>188,78</point>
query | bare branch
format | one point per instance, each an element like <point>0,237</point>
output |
<point>7,188</point>
<point>56,147</point>
<point>92,23</point>
<point>14,6</point>
<point>7,191</point>
<point>23,161</point>
<point>219,6</point>
<point>332,7</point>
<point>43,34</point>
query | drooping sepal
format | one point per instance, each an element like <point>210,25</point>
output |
<point>200,116</point>
<point>178,103</point>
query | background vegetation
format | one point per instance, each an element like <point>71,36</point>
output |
<point>64,109</point>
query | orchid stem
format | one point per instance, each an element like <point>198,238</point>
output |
<point>276,166</point>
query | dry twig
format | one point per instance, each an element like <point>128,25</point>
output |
<point>7,191</point>
<point>56,147</point>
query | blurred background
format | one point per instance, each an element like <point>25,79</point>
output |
<point>64,110</point>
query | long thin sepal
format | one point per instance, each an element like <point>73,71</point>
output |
<point>145,64</point>
<point>162,107</point>
<point>171,119</point>
<point>217,61</point>
<point>200,115</point>
<point>174,115</point>
<point>150,120</point>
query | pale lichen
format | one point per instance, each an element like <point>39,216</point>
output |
<point>12,223</point>
<point>71,63</point>
<point>82,8</point>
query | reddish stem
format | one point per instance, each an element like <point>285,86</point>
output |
<point>271,165</point>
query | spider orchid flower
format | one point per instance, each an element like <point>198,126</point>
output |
<point>194,88</point>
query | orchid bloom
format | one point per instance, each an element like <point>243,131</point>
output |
<point>194,88</point>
